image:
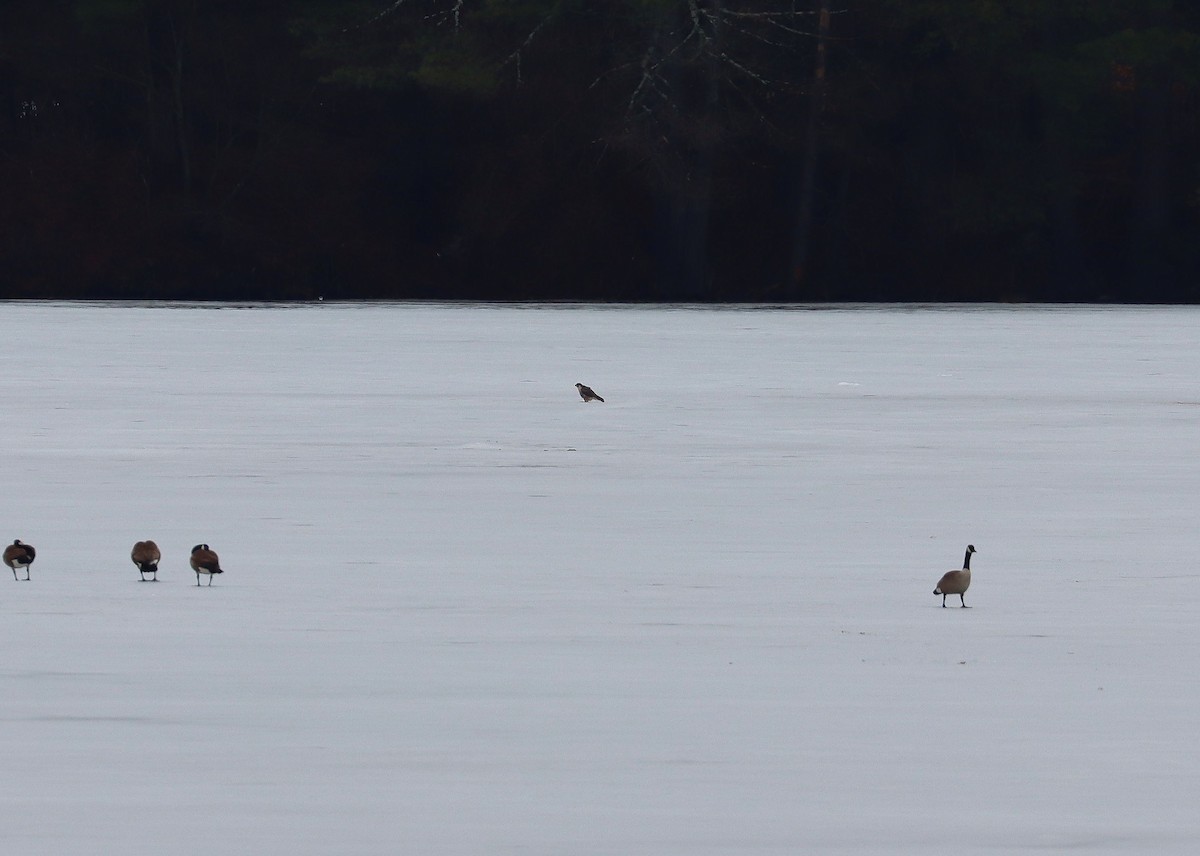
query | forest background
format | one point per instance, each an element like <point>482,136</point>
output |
<point>665,150</point>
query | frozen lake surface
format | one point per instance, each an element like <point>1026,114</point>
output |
<point>466,613</point>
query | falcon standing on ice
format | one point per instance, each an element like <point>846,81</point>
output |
<point>587,394</point>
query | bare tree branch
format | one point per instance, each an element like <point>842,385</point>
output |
<point>376,18</point>
<point>515,56</point>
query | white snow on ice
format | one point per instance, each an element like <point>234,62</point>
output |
<point>466,613</point>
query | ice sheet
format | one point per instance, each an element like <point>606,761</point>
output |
<point>465,612</point>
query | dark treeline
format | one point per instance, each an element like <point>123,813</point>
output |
<point>601,149</point>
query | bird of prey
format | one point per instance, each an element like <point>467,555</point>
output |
<point>587,393</point>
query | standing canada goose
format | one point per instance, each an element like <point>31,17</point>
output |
<point>956,582</point>
<point>18,555</point>
<point>204,561</point>
<point>146,555</point>
<point>587,393</point>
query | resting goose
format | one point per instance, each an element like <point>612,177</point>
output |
<point>205,561</point>
<point>18,555</point>
<point>145,555</point>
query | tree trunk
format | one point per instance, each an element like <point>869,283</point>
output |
<point>804,219</point>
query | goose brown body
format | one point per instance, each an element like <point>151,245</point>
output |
<point>956,582</point>
<point>145,555</point>
<point>18,555</point>
<point>205,561</point>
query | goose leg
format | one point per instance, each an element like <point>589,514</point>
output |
<point>964,602</point>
